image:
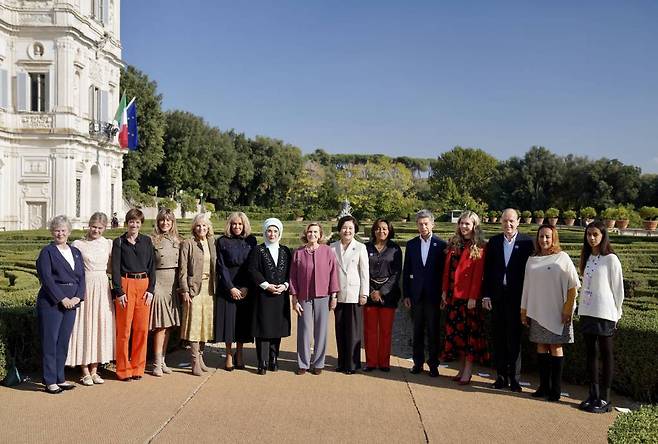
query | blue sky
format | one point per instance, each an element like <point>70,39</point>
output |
<point>411,78</point>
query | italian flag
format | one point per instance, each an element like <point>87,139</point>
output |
<point>121,119</point>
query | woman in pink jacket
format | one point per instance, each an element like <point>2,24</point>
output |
<point>313,286</point>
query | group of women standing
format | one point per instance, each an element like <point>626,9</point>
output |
<point>233,291</point>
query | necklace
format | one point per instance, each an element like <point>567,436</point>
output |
<point>312,249</point>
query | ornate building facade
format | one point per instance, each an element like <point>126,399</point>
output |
<point>60,64</point>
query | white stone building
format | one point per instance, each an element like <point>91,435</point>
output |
<point>60,63</point>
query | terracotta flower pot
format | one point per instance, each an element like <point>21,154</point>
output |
<point>527,220</point>
<point>569,221</point>
<point>609,223</point>
<point>588,221</point>
<point>552,220</point>
<point>650,225</point>
<point>622,224</point>
<point>494,219</point>
<point>539,220</point>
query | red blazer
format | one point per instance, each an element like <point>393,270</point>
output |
<point>468,275</point>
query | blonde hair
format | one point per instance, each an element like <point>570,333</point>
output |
<point>165,214</point>
<point>321,240</point>
<point>457,242</point>
<point>97,217</point>
<point>246,226</point>
<point>199,218</point>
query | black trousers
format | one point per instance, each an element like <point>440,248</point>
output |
<point>349,331</point>
<point>507,330</point>
<point>426,316</point>
<point>267,349</point>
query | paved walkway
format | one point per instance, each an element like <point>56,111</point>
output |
<point>281,407</point>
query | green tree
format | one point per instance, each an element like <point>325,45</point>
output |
<point>471,170</point>
<point>145,160</point>
<point>377,188</point>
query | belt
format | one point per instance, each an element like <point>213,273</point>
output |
<point>135,275</point>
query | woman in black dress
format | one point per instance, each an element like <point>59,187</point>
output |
<point>234,306</point>
<point>269,266</point>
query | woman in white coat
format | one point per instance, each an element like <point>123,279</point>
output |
<point>354,280</point>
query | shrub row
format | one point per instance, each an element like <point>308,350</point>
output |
<point>640,426</point>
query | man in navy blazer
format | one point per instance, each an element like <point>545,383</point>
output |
<point>62,275</point>
<point>504,270</point>
<point>423,273</point>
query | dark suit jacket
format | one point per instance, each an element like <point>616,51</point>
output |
<point>58,280</point>
<point>418,277</point>
<point>495,269</point>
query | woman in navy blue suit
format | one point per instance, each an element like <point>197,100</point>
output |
<point>62,275</point>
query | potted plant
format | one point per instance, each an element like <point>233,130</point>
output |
<point>539,216</point>
<point>494,215</point>
<point>527,217</point>
<point>552,215</point>
<point>649,217</point>
<point>609,216</point>
<point>587,214</point>
<point>569,217</point>
<point>621,221</point>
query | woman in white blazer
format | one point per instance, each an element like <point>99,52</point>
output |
<point>354,279</point>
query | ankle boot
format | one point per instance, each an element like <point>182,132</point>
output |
<point>262,367</point>
<point>194,353</point>
<point>202,347</point>
<point>544,362</point>
<point>273,365</point>
<point>166,370</point>
<point>157,365</point>
<point>593,396</point>
<point>557,363</point>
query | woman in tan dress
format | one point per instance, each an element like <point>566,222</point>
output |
<point>165,307</point>
<point>92,339</point>
<point>196,276</point>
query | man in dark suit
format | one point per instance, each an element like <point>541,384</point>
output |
<point>423,272</point>
<point>504,270</point>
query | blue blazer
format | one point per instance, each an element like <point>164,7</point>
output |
<point>418,277</point>
<point>58,280</point>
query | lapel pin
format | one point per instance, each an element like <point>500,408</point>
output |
<point>434,244</point>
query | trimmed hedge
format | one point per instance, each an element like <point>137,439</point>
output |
<point>640,426</point>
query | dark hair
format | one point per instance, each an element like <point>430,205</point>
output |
<point>135,214</point>
<point>391,231</point>
<point>555,248</point>
<point>348,218</point>
<point>604,247</point>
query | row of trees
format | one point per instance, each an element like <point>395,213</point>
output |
<point>181,156</point>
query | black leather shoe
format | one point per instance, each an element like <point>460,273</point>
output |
<point>434,372</point>
<point>262,371</point>
<point>273,366</point>
<point>66,386</point>
<point>416,369</point>
<point>350,372</point>
<point>137,378</point>
<point>53,391</point>
<point>599,406</point>
<point>368,369</point>
<point>385,369</point>
<point>515,387</point>
<point>339,369</point>
<point>500,383</point>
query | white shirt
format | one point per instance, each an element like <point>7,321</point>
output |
<point>547,280</point>
<point>425,247</point>
<point>68,255</point>
<point>508,248</point>
<point>602,293</point>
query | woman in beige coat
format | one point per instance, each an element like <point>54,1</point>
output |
<point>196,278</point>
<point>354,280</point>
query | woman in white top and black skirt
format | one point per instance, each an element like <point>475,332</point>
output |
<point>547,306</point>
<point>601,298</point>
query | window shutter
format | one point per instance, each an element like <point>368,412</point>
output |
<point>4,91</point>
<point>106,12</point>
<point>22,91</point>
<point>46,92</point>
<point>104,100</point>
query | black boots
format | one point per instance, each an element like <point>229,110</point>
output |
<point>602,403</point>
<point>556,378</point>
<point>262,367</point>
<point>544,362</point>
